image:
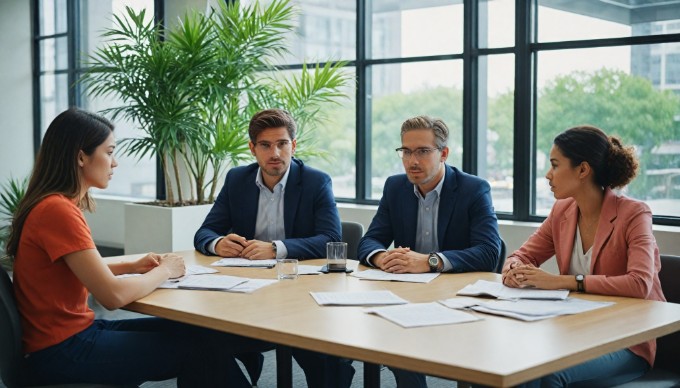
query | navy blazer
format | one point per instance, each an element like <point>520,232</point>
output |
<point>310,216</point>
<point>467,228</point>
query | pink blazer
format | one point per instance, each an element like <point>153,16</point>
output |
<point>625,257</point>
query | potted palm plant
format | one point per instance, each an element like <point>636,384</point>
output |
<point>11,194</point>
<point>193,88</point>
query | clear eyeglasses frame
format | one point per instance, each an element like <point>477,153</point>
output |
<point>267,146</point>
<point>420,153</point>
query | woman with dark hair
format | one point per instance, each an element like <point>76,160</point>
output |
<point>602,241</point>
<point>56,263</point>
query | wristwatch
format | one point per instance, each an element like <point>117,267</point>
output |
<point>433,261</point>
<point>274,248</point>
<point>579,283</point>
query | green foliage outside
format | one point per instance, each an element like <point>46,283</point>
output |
<point>624,105</point>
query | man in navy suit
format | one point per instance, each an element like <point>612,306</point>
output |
<point>277,208</point>
<point>439,218</point>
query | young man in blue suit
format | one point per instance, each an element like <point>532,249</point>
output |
<point>277,208</point>
<point>439,218</point>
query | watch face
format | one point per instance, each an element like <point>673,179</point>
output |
<point>433,261</point>
<point>579,278</point>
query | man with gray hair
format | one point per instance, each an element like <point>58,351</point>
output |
<point>439,218</point>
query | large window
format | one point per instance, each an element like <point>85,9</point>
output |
<point>69,30</point>
<point>505,75</point>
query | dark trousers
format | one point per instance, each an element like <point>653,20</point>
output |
<point>136,350</point>
<point>322,370</point>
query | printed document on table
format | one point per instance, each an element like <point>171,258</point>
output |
<point>460,302</point>
<point>532,310</point>
<point>192,269</point>
<point>210,282</point>
<point>376,274</point>
<point>241,262</point>
<point>252,285</point>
<point>500,291</point>
<point>422,314</point>
<point>357,298</point>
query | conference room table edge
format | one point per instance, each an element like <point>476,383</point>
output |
<point>429,367</point>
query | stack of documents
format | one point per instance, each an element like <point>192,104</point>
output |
<point>422,314</point>
<point>241,262</point>
<point>358,298</point>
<point>376,274</point>
<point>500,291</point>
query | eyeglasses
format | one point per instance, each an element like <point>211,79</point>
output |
<point>420,153</point>
<point>266,146</point>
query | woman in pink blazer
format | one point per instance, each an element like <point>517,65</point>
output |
<point>602,241</point>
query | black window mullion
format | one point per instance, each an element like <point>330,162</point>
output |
<point>363,115</point>
<point>72,28</point>
<point>522,151</point>
<point>158,18</point>
<point>470,83</point>
<point>35,54</point>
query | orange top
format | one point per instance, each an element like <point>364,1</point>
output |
<point>52,301</point>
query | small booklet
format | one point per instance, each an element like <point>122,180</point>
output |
<point>210,282</point>
<point>241,262</point>
<point>500,291</point>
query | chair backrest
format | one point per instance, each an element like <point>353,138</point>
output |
<point>501,258</point>
<point>351,234</point>
<point>10,332</point>
<point>668,347</point>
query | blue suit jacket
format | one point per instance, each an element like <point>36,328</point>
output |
<point>467,228</point>
<point>310,216</point>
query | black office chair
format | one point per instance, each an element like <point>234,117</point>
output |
<point>501,258</point>
<point>351,234</point>
<point>10,338</point>
<point>666,371</point>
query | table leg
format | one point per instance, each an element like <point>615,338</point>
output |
<point>284,367</point>
<point>371,375</point>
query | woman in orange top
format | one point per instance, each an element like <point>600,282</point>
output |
<point>602,241</point>
<point>57,263</point>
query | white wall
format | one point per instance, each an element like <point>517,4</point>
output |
<point>16,98</point>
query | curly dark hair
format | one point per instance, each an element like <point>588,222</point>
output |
<point>614,164</point>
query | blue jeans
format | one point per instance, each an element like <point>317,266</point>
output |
<point>605,371</point>
<point>136,350</point>
<point>408,379</point>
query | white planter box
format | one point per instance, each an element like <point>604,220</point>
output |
<point>161,229</point>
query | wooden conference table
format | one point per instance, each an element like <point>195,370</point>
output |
<point>494,351</point>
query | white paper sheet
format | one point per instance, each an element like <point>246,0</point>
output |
<point>376,274</point>
<point>359,298</point>
<point>241,262</point>
<point>210,282</point>
<point>422,314</point>
<point>460,302</point>
<point>532,310</point>
<point>252,285</point>
<point>500,291</point>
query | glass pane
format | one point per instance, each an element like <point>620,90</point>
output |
<point>591,19</point>
<point>53,54</point>
<point>497,23</point>
<point>336,136</point>
<point>133,177</point>
<point>52,17</point>
<point>401,91</point>
<point>97,15</point>
<point>625,91</point>
<point>410,28</point>
<point>324,30</point>
<point>53,98</point>
<point>496,114</point>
